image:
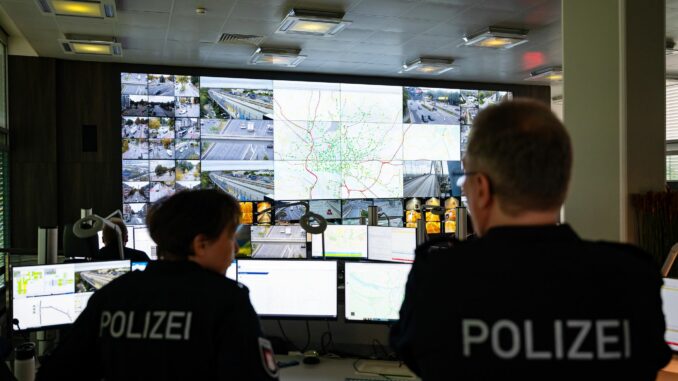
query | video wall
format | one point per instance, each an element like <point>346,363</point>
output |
<point>342,146</point>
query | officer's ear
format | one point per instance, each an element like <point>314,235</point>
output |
<point>199,245</point>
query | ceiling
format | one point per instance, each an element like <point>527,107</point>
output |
<point>384,34</point>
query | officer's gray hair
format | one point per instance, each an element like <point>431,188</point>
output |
<point>526,153</point>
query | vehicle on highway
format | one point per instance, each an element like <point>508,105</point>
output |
<point>169,152</point>
<point>270,146</point>
<point>243,126</point>
<point>423,119</point>
<point>133,130</point>
<point>430,118</point>
<point>250,126</point>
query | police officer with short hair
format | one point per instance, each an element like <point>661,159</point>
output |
<point>529,299</point>
<point>181,318</point>
<point>110,250</point>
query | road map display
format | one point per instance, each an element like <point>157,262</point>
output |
<point>51,295</point>
<point>290,140</point>
<point>375,291</point>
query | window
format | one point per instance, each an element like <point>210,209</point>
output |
<point>672,129</point>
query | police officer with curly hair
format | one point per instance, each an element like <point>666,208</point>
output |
<point>180,319</point>
<point>529,299</point>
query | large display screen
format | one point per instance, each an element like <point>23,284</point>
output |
<point>375,291</point>
<point>291,140</point>
<point>670,305</point>
<point>291,288</point>
<point>391,244</point>
<point>341,241</point>
<point>52,295</point>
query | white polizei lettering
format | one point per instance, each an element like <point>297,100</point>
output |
<point>154,332</point>
<point>468,338</point>
<point>530,353</point>
<point>105,321</point>
<point>118,317</point>
<point>171,324</point>
<point>513,329</point>
<point>627,339</point>
<point>147,322</point>
<point>130,322</point>
<point>602,339</point>
<point>558,338</point>
<point>584,327</point>
<point>187,328</point>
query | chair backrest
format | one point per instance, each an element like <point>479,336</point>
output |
<point>79,247</point>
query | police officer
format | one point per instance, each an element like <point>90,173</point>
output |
<point>529,299</point>
<point>181,318</point>
<point>110,250</point>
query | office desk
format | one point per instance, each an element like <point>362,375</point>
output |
<point>329,369</point>
<point>338,369</point>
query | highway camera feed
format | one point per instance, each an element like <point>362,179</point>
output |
<point>341,146</point>
<point>90,281</point>
<point>287,242</point>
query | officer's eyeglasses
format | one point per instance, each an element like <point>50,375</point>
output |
<point>463,176</point>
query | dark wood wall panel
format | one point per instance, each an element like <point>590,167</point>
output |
<point>50,100</point>
<point>34,191</point>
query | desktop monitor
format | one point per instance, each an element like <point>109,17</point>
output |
<point>374,291</point>
<point>53,295</point>
<point>144,242</point>
<point>230,273</point>
<point>288,288</point>
<point>391,244</point>
<point>139,266</point>
<point>670,304</point>
<point>341,241</point>
<point>278,241</point>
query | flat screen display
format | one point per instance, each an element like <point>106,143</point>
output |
<point>391,244</point>
<point>341,241</point>
<point>374,291</point>
<point>669,294</point>
<point>278,241</point>
<point>280,288</point>
<point>52,295</point>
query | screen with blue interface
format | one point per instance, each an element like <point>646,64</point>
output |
<point>374,291</point>
<point>670,304</point>
<point>286,288</point>
<point>52,295</point>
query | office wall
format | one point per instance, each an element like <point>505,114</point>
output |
<point>49,102</point>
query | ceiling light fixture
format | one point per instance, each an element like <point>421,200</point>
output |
<point>497,38</point>
<point>277,57</point>
<point>80,8</point>
<point>91,45</point>
<point>313,23</point>
<point>551,73</point>
<point>430,66</point>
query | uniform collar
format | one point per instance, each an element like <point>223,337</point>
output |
<point>535,233</point>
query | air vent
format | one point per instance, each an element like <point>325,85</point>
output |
<point>243,39</point>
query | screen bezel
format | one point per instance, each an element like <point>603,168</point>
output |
<point>10,290</point>
<point>299,317</point>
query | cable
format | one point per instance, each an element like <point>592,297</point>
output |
<point>324,347</point>
<point>287,339</point>
<point>308,337</point>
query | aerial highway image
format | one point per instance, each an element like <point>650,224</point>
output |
<point>161,148</point>
<point>283,241</point>
<point>92,280</point>
<point>236,139</point>
<point>435,106</point>
<point>161,106</point>
<point>134,127</point>
<point>134,105</point>
<point>329,209</point>
<point>135,149</point>
<point>246,181</point>
<point>162,170</point>
<point>134,214</point>
<point>135,170</point>
<point>288,213</point>
<point>425,178</point>
<point>186,86</point>
<point>161,189</point>
<point>187,149</point>
<point>352,210</point>
<point>133,191</point>
<point>187,128</point>
<point>187,107</point>
<point>233,98</point>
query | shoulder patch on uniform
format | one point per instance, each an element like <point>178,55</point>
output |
<point>268,358</point>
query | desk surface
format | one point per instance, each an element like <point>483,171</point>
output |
<point>331,369</point>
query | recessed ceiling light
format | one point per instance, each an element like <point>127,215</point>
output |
<point>313,23</point>
<point>79,8</point>
<point>497,38</point>
<point>551,73</point>
<point>277,57</point>
<point>430,66</point>
<point>91,45</point>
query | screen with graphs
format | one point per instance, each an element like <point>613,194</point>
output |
<point>52,295</point>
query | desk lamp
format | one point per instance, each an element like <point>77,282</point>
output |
<point>89,226</point>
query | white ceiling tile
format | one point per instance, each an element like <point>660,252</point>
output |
<point>435,12</point>
<point>382,7</point>
<point>157,19</point>
<point>259,10</point>
<point>250,26</point>
<point>133,31</point>
<point>144,5</point>
<point>214,8</point>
